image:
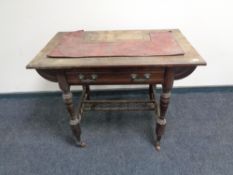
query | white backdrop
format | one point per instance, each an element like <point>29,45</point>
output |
<point>26,26</point>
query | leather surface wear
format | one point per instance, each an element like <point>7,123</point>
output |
<point>74,45</point>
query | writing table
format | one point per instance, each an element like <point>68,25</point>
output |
<point>161,67</point>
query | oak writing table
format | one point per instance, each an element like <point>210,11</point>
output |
<point>93,66</point>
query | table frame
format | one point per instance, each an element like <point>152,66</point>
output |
<point>85,104</point>
<point>121,70</point>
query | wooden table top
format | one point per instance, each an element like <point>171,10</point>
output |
<point>190,58</point>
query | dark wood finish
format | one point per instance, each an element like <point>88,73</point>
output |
<point>155,76</point>
<point>123,74</point>
<point>117,70</point>
<point>74,117</point>
<point>119,105</point>
<point>191,57</point>
<point>164,101</point>
<point>88,92</point>
<point>152,88</point>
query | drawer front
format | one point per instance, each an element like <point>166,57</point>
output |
<point>125,77</point>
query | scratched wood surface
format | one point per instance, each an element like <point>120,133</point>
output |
<point>191,57</point>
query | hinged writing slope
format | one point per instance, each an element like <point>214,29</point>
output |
<point>77,44</point>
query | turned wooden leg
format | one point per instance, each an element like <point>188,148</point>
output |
<point>74,117</point>
<point>151,91</point>
<point>164,101</point>
<point>87,91</point>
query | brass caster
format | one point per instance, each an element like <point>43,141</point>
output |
<point>81,144</point>
<point>157,146</point>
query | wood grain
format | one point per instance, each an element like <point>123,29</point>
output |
<point>191,57</point>
<point>117,70</point>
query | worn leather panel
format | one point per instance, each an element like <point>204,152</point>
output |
<point>76,45</point>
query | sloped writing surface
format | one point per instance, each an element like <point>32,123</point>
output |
<point>74,45</point>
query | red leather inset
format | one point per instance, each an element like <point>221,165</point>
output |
<point>73,45</point>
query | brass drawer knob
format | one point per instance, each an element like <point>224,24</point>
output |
<point>133,76</point>
<point>136,78</point>
<point>147,76</point>
<point>94,76</point>
<point>81,76</point>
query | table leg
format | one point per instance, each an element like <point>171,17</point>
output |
<point>74,117</point>
<point>151,91</point>
<point>164,101</point>
<point>87,91</point>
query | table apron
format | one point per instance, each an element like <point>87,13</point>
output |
<point>114,76</point>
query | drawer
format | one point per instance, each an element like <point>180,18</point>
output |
<point>115,77</point>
